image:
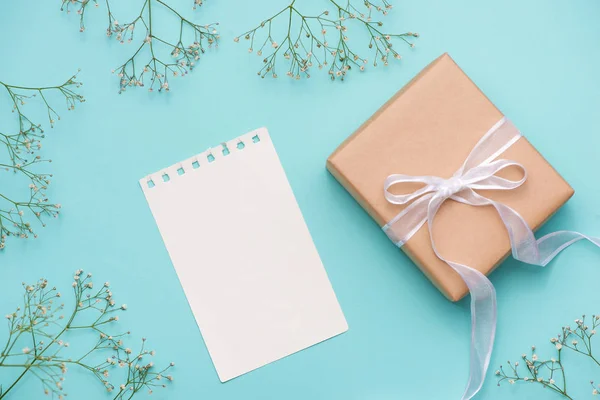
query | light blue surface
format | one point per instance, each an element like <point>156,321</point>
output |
<point>537,60</point>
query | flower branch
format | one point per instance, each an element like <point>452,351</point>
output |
<point>147,66</point>
<point>42,328</point>
<point>550,373</point>
<point>22,147</point>
<point>322,40</point>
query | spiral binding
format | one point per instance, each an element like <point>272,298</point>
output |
<point>209,156</point>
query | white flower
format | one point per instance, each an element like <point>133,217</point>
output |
<point>124,307</point>
<point>534,357</point>
<point>574,342</point>
<point>558,346</point>
<point>526,379</point>
<point>26,350</point>
<point>595,392</point>
<point>9,316</point>
<point>511,381</point>
<point>551,381</point>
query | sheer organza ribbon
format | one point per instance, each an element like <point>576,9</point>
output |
<point>477,172</point>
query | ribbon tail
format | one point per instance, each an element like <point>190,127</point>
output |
<point>550,245</point>
<point>483,325</point>
<point>483,310</point>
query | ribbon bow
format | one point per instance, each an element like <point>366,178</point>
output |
<point>477,172</point>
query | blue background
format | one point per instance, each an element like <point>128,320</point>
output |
<point>537,60</point>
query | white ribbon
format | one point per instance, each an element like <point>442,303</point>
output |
<point>477,172</point>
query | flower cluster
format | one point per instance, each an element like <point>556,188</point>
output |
<point>80,6</point>
<point>164,58</point>
<point>22,146</point>
<point>323,40</point>
<point>37,334</point>
<point>550,373</point>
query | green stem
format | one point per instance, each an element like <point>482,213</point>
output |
<point>77,299</point>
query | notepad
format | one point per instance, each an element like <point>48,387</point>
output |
<point>243,254</point>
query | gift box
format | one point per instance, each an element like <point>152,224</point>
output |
<point>429,128</point>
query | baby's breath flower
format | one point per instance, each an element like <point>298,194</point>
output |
<point>578,340</point>
<point>90,312</point>
<point>153,70</point>
<point>305,46</point>
<point>22,142</point>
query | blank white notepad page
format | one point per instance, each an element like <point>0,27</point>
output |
<point>243,254</point>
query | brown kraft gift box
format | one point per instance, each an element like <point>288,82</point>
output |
<point>428,128</point>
